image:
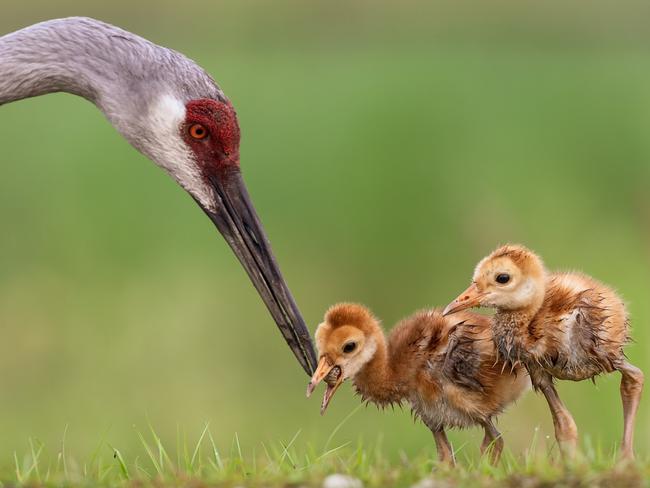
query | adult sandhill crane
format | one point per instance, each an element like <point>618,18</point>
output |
<point>174,113</point>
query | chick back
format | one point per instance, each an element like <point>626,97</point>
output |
<point>580,330</point>
<point>449,369</point>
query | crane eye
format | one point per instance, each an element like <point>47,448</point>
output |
<point>503,278</point>
<point>349,347</point>
<point>197,131</point>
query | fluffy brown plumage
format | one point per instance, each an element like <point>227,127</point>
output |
<point>559,325</point>
<point>445,368</point>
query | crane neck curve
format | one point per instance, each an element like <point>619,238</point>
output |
<point>38,60</point>
<point>120,72</point>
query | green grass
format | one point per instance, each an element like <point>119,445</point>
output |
<point>200,462</point>
<point>197,461</point>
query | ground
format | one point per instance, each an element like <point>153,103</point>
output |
<point>285,465</point>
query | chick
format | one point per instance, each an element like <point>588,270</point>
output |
<point>445,368</point>
<point>559,325</point>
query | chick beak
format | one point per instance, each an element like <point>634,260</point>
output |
<point>329,393</point>
<point>324,368</point>
<point>468,299</point>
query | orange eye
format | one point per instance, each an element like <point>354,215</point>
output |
<point>197,131</point>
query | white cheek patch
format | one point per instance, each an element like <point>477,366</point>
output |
<point>522,296</point>
<point>526,291</point>
<point>168,150</point>
<point>354,365</point>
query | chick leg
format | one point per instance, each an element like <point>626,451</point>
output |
<point>445,452</point>
<point>492,442</point>
<point>566,431</point>
<point>631,387</point>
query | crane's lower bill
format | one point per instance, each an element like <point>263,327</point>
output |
<point>236,219</point>
<point>333,376</point>
<point>470,298</point>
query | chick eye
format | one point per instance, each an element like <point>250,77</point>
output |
<point>503,278</point>
<point>197,131</point>
<point>349,347</point>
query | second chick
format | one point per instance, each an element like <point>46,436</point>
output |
<point>564,326</point>
<point>445,368</point>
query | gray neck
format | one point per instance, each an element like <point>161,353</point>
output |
<point>118,71</point>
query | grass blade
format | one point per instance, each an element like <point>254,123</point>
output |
<point>63,460</point>
<point>198,447</point>
<point>341,423</point>
<point>19,475</point>
<point>120,461</point>
<point>215,452</point>
<point>151,455</point>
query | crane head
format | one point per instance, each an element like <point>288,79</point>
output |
<point>197,143</point>
<point>211,131</point>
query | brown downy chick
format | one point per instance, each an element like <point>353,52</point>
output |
<point>559,325</point>
<point>445,368</point>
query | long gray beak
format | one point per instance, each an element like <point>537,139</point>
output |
<point>239,224</point>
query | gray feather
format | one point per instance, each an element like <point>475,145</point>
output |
<point>118,71</point>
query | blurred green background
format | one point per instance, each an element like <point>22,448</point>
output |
<point>387,146</point>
